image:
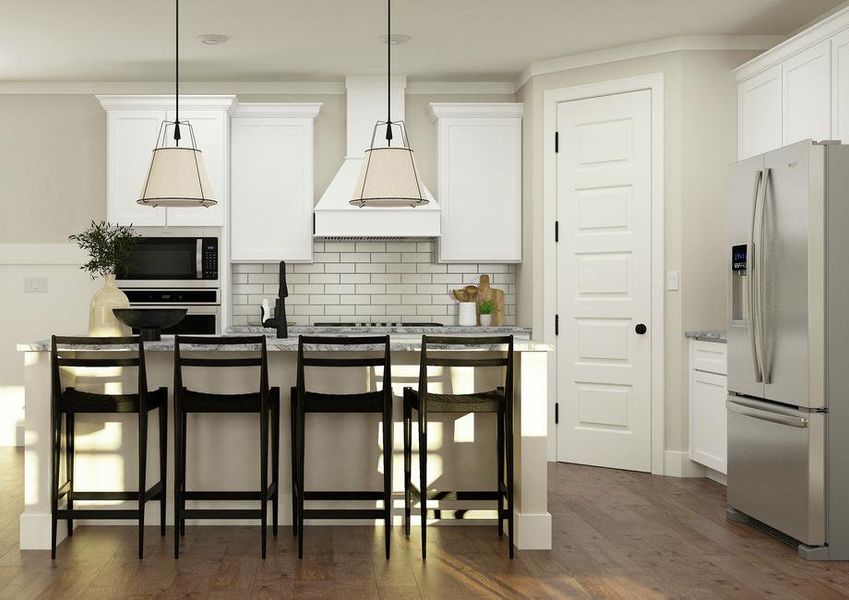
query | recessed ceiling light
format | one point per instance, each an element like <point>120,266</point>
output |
<point>213,39</point>
<point>395,39</point>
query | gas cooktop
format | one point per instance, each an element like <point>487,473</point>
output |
<point>379,324</point>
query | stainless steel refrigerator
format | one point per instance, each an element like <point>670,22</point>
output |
<point>788,345</point>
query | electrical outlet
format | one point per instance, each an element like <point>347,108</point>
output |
<point>35,285</point>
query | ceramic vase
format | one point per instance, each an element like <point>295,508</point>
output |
<point>467,316</point>
<point>101,321</point>
<point>486,320</point>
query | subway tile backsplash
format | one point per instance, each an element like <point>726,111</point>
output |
<point>367,281</point>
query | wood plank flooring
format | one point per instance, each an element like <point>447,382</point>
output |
<point>616,535</point>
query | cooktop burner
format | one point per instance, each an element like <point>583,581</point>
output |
<point>379,324</point>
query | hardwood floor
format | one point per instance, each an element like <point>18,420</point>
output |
<point>616,535</point>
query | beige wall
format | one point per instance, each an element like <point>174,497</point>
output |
<point>699,132</point>
<point>52,166</point>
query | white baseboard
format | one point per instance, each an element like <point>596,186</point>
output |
<point>533,531</point>
<point>716,476</point>
<point>678,464</point>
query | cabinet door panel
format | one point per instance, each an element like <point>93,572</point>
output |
<point>760,113</point>
<point>272,189</point>
<point>480,189</point>
<point>807,95</point>
<point>708,419</point>
<point>132,137</point>
<point>210,129</point>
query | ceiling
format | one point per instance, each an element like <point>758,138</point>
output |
<point>303,40</point>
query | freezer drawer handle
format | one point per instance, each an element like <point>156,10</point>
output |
<point>768,416</point>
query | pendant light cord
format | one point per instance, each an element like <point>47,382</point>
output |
<point>177,73</point>
<point>389,72</point>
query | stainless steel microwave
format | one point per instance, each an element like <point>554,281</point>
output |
<point>172,259</point>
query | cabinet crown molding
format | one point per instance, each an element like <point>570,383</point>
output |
<point>188,102</point>
<point>476,110</point>
<point>304,110</point>
<point>822,30</point>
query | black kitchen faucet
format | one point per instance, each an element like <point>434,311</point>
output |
<point>279,319</point>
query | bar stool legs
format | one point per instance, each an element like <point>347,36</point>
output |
<point>69,466</point>
<point>423,480</point>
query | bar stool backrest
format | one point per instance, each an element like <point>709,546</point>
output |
<point>132,345</point>
<point>259,360</point>
<point>352,344</point>
<point>486,343</point>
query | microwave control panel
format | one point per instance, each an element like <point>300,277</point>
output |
<point>209,258</point>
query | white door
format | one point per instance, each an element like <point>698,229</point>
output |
<point>604,281</point>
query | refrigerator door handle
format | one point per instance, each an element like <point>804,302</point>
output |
<point>751,269</point>
<point>761,280</point>
<point>764,415</point>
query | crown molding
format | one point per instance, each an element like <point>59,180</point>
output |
<point>187,102</point>
<point>276,109</point>
<point>825,28</point>
<point>460,87</point>
<point>166,87</point>
<point>644,49</point>
<point>479,110</point>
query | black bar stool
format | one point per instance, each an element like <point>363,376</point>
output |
<point>70,402</point>
<point>265,402</point>
<point>378,401</point>
<point>498,401</point>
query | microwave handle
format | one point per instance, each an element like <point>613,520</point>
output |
<point>199,259</point>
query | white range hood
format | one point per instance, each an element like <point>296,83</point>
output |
<point>335,217</point>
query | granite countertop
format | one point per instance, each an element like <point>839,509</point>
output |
<point>708,336</point>
<point>406,339</point>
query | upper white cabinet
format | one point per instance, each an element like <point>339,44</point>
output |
<point>479,172</point>
<point>797,90</point>
<point>272,184</point>
<point>133,124</point>
<point>807,95</point>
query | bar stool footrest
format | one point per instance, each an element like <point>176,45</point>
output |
<point>467,496</point>
<point>93,513</point>
<point>346,513</point>
<point>225,495</point>
<point>221,513</point>
<point>344,495</point>
<point>152,493</point>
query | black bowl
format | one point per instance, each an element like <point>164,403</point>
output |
<point>149,321</point>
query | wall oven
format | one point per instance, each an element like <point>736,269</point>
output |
<point>167,261</point>
<point>203,305</point>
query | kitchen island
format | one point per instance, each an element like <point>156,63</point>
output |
<point>342,451</point>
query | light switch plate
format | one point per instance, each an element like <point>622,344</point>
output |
<point>672,281</point>
<point>35,285</point>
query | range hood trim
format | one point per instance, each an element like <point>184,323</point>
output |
<point>334,215</point>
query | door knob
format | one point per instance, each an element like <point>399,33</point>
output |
<point>640,328</point>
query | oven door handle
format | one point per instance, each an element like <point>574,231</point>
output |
<point>199,259</point>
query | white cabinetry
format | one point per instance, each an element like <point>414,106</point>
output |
<point>133,124</point>
<point>797,90</point>
<point>479,172</point>
<point>760,113</point>
<point>708,392</point>
<point>272,189</point>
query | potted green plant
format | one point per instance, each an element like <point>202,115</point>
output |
<point>108,247</point>
<point>486,308</point>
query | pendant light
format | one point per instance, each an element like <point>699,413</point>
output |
<point>389,177</point>
<point>177,175</point>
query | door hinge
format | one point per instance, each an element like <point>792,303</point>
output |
<point>556,413</point>
<point>556,324</point>
<point>557,231</point>
<point>556,142</point>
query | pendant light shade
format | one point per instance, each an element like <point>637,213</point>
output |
<point>389,177</point>
<point>177,175</point>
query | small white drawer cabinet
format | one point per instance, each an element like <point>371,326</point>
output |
<point>708,392</point>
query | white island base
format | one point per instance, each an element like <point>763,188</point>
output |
<point>343,451</point>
